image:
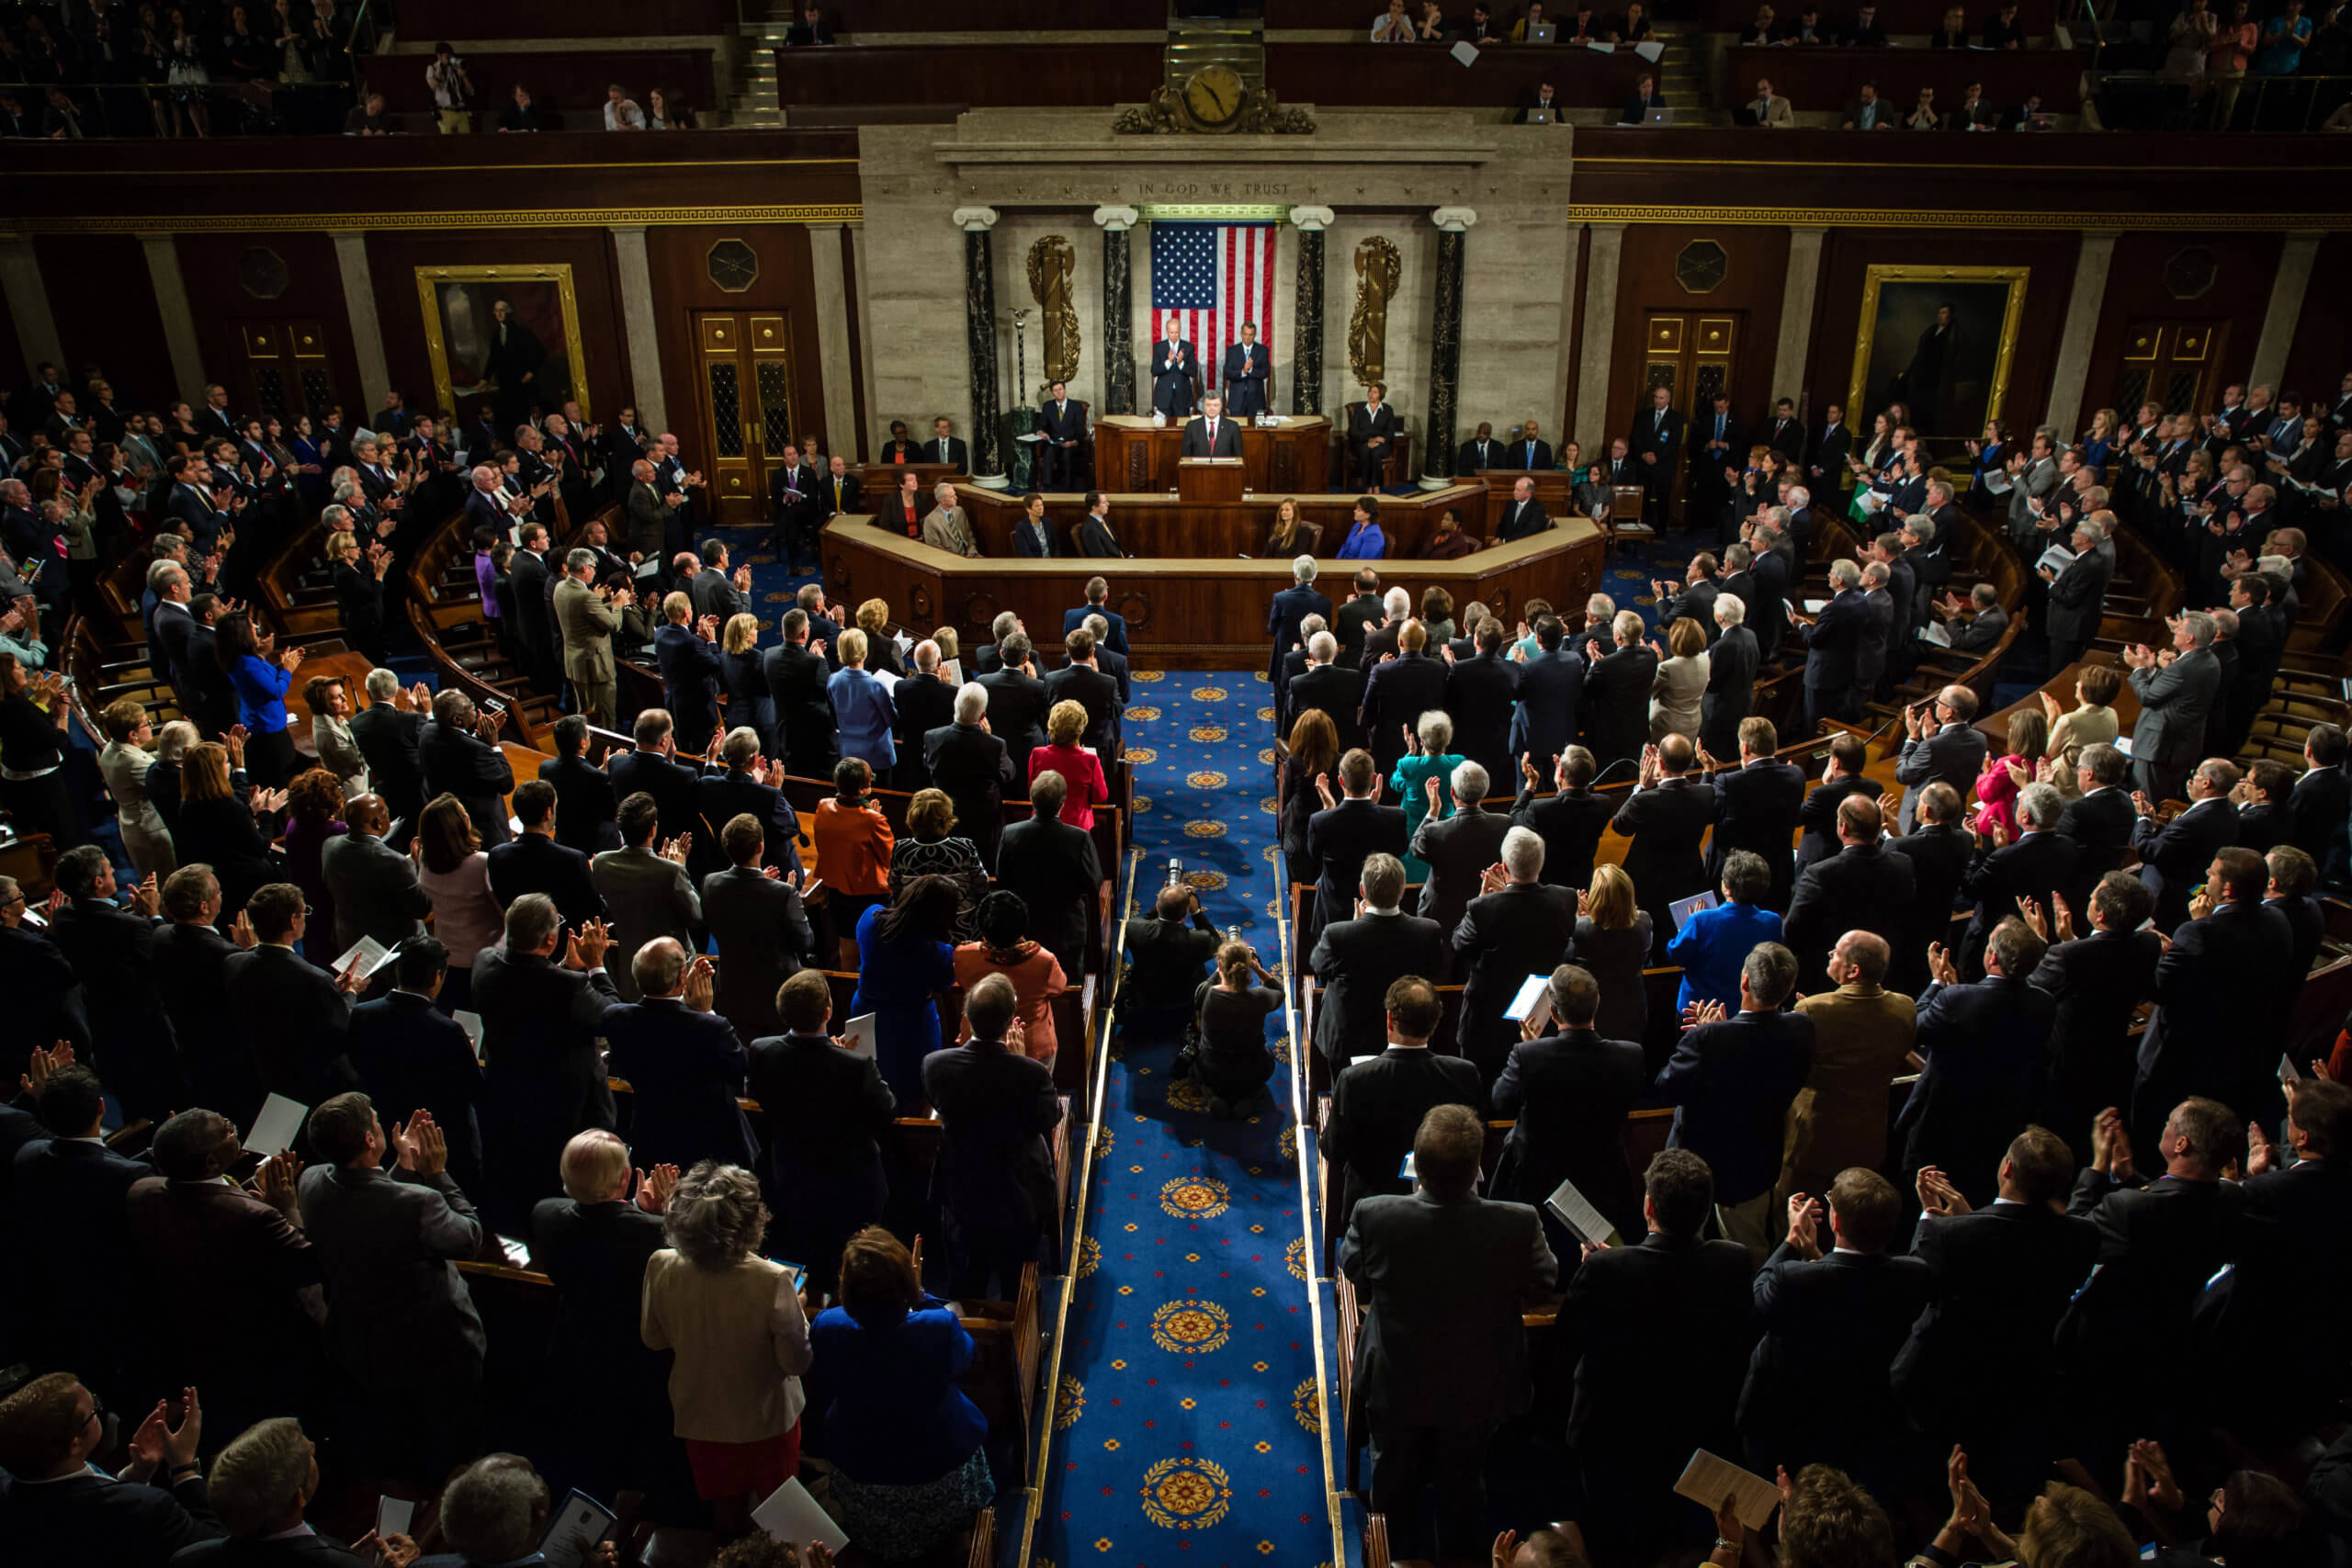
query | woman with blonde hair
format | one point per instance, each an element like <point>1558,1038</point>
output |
<point>125,763</point>
<point>864,714</point>
<point>454,871</point>
<point>1613,941</point>
<point>741,1341</point>
<point>932,848</point>
<point>874,620</point>
<point>1679,684</point>
<point>1288,535</point>
<point>1080,770</point>
<point>2100,441</point>
<point>228,829</point>
<point>2004,776</point>
<point>749,703</point>
<point>172,743</point>
<point>2094,722</point>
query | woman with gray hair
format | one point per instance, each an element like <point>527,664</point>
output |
<point>1424,779</point>
<point>734,1320</point>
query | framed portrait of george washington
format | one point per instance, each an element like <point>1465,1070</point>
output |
<point>507,337</point>
<point>1939,340</point>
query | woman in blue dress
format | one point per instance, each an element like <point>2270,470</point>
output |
<point>905,954</point>
<point>261,675</point>
<point>862,710</point>
<point>1427,758</point>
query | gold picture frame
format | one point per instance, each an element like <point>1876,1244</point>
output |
<point>457,306</point>
<point>1974,387</point>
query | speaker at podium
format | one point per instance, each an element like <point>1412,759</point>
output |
<point>1209,482</point>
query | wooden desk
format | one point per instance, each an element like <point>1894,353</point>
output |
<point>1156,524</point>
<point>1995,726</point>
<point>1209,482</point>
<point>1197,613</point>
<point>1554,487</point>
<point>350,668</point>
<point>1130,454</point>
<point>1827,80</point>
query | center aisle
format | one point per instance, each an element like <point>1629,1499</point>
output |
<point>1187,1422</point>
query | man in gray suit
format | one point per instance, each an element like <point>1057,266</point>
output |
<point>2176,698</point>
<point>1940,745</point>
<point>1444,1275</point>
<point>717,592</point>
<point>1458,848</point>
<point>760,928</point>
<point>404,1328</point>
<point>2031,478</point>
<point>648,518</point>
<point>374,887</point>
<point>646,888</point>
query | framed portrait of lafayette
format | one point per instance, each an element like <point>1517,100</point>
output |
<point>1939,340</point>
<point>508,336</point>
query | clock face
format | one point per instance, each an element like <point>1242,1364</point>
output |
<point>1212,94</point>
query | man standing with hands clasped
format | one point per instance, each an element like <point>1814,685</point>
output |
<point>1247,369</point>
<point>1175,370</point>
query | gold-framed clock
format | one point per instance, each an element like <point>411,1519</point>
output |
<point>1214,97</point>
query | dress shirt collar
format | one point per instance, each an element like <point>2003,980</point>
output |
<point>298,1531</point>
<point>100,1141</point>
<point>1408,1045</point>
<point>1392,909</point>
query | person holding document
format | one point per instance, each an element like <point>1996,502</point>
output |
<point>293,1015</point>
<point>1569,1087</point>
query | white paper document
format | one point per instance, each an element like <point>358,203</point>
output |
<point>1600,48</point>
<point>2056,559</point>
<point>1935,632</point>
<point>790,1514</point>
<point>1998,481</point>
<point>859,1032</point>
<point>372,955</point>
<point>574,1530</point>
<point>1649,49</point>
<point>2123,743</point>
<point>275,1127</point>
<point>1815,606</point>
<point>1465,53</point>
<point>1708,1480</point>
<point>472,1023</point>
<point>393,1516</point>
<point>1534,1003</point>
<point>1585,1223</point>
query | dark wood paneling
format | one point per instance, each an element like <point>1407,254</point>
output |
<point>1006,16</point>
<point>313,293</point>
<point>393,259</point>
<point>1829,79</point>
<point>1033,75</point>
<point>423,21</point>
<point>569,81</point>
<point>2323,347</point>
<point>1846,254</point>
<point>103,301</point>
<point>1373,74</point>
<point>676,259</point>
<point>1897,17</point>
<point>1751,292</point>
<point>13,368</point>
<point>2244,266</point>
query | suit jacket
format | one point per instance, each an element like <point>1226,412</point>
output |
<point>1377,1106</point>
<point>970,765</point>
<point>921,704</point>
<point>1503,937</point>
<point>2000,1279</point>
<point>1480,695</point>
<point>1338,840</point>
<point>1658,436</point>
<point>1355,960</point>
<point>69,1213</point>
<point>1098,693</point>
<point>1116,641</point>
<point>1663,1323</point>
<point>671,783</point>
<point>2078,598</point>
<point>542,1076</point>
<point>91,1519</point>
<point>596,1254</point>
<point>387,1245</point>
<point>1475,454</point>
<point>1731,1085</point>
<point>796,677</point>
<point>1953,755</point>
<point>2221,992</point>
<point>1395,695</point>
<point>293,1019</point>
<point>1551,690</point>
<point>761,931</point>
<point>1095,537</point>
<point>2035,865</point>
<point>586,623</point>
<point>2158,1243</point>
<point>1365,423</point>
<point>2097,981</point>
<point>995,1174</point>
<point>1164,958</point>
<point>109,948</point>
<point>412,1056</point>
<point>460,762</point>
<point>822,1110</point>
<point>2174,702</point>
<point>2175,857</point>
<point>241,1320</point>
<point>1666,823</point>
<point>1227,444</point>
<point>312,1550</point>
<point>1521,521</point>
<point>1244,373</point>
<point>687,1069</point>
<point>1834,644</point>
<point>649,897</point>
<point>2101,826</point>
<point>1175,375</point>
<point>1756,809</point>
<point>2323,802</point>
<point>537,864</point>
<point>1291,606</point>
<point>1336,690</point>
<point>1457,849</point>
<point>1054,868</point>
<point>188,964</point>
<point>1569,1092</point>
<point>714,594</point>
<point>1987,1048</point>
<point>1861,1040</point>
<point>1444,1285</point>
<point>1831,1329</point>
<point>585,806</point>
<point>375,889</point>
<point>1017,709</point>
<point>1570,823</point>
<point>723,796</point>
<point>689,678</point>
<point>1861,887</point>
<point>1616,702</point>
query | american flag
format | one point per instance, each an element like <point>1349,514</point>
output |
<point>1213,277</point>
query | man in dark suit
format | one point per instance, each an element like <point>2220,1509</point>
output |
<point>1615,707</point>
<point>1523,515</point>
<point>544,1078</point>
<point>1055,870</point>
<point>2097,979</point>
<point>1062,423</point>
<point>1081,682</point>
<point>1398,691</point>
<point>2323,804</point>
<point>1662,1323</point>
<point>1458,848</point>
<point>1377,1103</point>
<point>1289,609</point>
<point>742,790</point>
<point>1841,777</point>
<point>1212,434</point>
<point>539,862</point>
<point>1551,691</point>
<point>1656,441</point>
<point>292,1014</point>
<point>1481,451</point>
<point>1570,820</point>
<point>1756,804</point>
<point>2040,862</point>
<point>684,1061</point>
<point>1977,1369</point>
<point>375,887</point>
<point>109,947</point>
<point>1940,851</point>
<point>1175,372</point>
<point>2222,991</point>
<point>1987,1049</point>
<point>1355,959</point>
<point>1017,700</point>
<point>1093,535</point>
<point>1863,887</point>
<point>840,490</point>
<point>1480,695</point>
<point>1834,648</point>
<point>1717,443</point>
<point>534,626</point>
<point>716,593</point>
<point>1827,462</point>
<point>1666,815</point>
<point>188,959</point>
<point>1818,1387</point>
<point>2077,598</point>
<point>2099,820</point>
<point>824,1110</point>
<point>1765,592</point>
<point>1516,926</point>
<point>2174,854</point>
<point>654,769</point>
<point>1371,435</point>
<point>1785,434</point>
<point>1646,98</point>
<point>1340,836</point>
<point>2265,816</point>
<point>1356,618</point>
<point>459,755</point>
<point>586,806</point>
<point>796,675</point>
<point>1569,1090</point>
<point>1334,687</point>
<point>1246,372</point>
<point>1940,745</point>
<point>689,661</point>
<point>1731,1081</point>
<point>62,1509</point>
<point>1444,1276</point>
<point>995,1176</point>
<point>968,761</point>
<point>412,1056</point>
<point>756,919</point>
<point>944,447</point>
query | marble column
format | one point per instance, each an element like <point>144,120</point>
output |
<point>831,287</point>
<point>1306,335</point>
<point>1607,243</point>
<point>2067,382</point>
<point>1797,293</point>
<point>1445,346</point>
<point>979,327</point>
<point>359,304</point>
<point>179,322</point>
<point>2288,287</point>
<point>1118,312</point>
<point>640,328</point>
<point>28,303</point>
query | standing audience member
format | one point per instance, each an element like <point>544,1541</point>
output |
<point>1862,1036</point>
<point>994,1182</point>
<point>823,1108</point>
<point>1731,1082</point>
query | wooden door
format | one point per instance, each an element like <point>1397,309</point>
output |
<point>2168,363</point>
<point>286,372</point>
<point>745,389</point>
<point>1691,354</point>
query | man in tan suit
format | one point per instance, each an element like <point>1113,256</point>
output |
<point>587,617</point>
<point>1862,1035</point>
<point>947,527</point>
<point>1771,109</point>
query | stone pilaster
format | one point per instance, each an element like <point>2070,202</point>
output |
<point>1306,335</point>
<point>1605,248</point>
<point>979,324</point>
<point>1445,344</point>
<point>2074,339</point>
<point>29,304</point>
<point>1797,294</point>
<point>832,334</point>
<point>179,322</point>
<point>1118,312</point>
<point>640,327</point>
<point>2288,287</point>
